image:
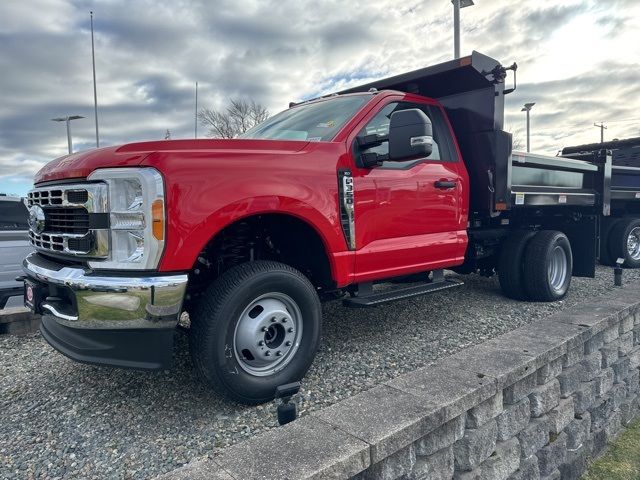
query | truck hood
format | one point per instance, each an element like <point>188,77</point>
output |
<point>80,165</point>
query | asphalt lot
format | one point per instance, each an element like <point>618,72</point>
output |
<point>62,419</point>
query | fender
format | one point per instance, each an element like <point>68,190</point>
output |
<point>181,254</point>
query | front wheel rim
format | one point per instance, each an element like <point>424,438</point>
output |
<point>558,268</point>
<point>633,243</point>
<point>267,334</point>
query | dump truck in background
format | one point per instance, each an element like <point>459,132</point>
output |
<point>620,230</point>
<point>406,176</point>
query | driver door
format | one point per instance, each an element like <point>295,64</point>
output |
<point>405,220</point>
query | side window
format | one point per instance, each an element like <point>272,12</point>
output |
<point>380,126</point>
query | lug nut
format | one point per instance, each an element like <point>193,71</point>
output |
<point>288,344</point>
<point>267,353</point>
<point>284,320</point>
<point>290,330</point>
<point>261,343</point>
<point>279,353</point>
<point>264,329</point>
<point>273,319</point>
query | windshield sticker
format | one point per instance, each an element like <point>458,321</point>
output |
<point>314,139</point>
<point>329,124</point>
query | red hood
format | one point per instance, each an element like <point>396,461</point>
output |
<point>80,165</point>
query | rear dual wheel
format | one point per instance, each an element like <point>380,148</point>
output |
<point>536,266</point>
<point>623,242</point>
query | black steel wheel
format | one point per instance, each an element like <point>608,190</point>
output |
<point>257,327</point>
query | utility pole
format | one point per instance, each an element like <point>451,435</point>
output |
<point>196,114</point>
<point>527,108</point>
<point>602,128</point>
<point>95,92</point>
<point>457,5</point>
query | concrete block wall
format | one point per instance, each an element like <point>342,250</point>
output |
<point>535,403</point>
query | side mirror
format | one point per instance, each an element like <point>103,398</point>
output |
<point>410,135</point>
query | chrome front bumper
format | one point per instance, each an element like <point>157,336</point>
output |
<point>82,299</point>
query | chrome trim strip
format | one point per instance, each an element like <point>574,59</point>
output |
<point>347,207</point>
<point>104,302</point>
<point>51,309</point>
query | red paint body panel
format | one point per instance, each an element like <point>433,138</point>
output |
<point>403,223</point>
<point>208,189</point>
<point>81,164</point>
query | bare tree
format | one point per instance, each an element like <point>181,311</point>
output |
<point>516,140</point>
<point>238,117</point>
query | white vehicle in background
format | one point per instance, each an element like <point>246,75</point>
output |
<point>14,247</point>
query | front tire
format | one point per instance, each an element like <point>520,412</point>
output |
<point>257,327</point>
<point>548,263</point>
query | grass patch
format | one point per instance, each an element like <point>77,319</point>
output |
<point>622,459</point>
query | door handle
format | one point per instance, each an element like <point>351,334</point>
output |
<point>444,184</point>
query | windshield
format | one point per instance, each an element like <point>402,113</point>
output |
<point>314,122</point>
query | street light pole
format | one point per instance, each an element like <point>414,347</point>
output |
<point>67,120</point>
<point>95,92</point>
<point>457,5</point>
<point>196,113</point>
<point>527,108</point>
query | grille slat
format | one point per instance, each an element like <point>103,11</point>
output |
<point>66,220</point>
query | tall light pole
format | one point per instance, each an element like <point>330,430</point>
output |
<point>457,5</point>
<point>196,114</point>
<point>68,120</point>
<point>527,108</point>
<point>95,92</point>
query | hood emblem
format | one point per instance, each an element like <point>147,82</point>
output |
<point>36,219</point>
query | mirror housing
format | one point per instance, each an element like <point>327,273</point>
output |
<point>410,135</point>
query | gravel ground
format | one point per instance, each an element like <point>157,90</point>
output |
<point>61,419</point>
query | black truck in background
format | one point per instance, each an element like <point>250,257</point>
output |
<point>620,230</point>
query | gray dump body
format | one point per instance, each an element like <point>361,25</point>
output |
<point>472,91</point>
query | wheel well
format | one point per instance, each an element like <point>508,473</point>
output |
<point>278,237</point>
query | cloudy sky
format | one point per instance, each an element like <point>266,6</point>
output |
<point>578,60</point>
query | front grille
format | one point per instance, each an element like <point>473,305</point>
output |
<point>66,220</point>
<point>77,196</point>
<point>45,197</point>
<point>75,219</point>
<point>48,242</point>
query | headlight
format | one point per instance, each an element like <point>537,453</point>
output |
<point>136,206</point>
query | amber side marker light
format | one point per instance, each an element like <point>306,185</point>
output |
<point>157,215</point>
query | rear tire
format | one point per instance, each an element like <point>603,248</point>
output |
<point>232,344</point>
<point>510,265</point>
<point>624,242</point>
<point>548,263</point>
<point>605,257</point>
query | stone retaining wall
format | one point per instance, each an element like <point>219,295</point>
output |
<point>537,402</point>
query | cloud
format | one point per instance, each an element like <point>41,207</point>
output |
<point>578,62</point>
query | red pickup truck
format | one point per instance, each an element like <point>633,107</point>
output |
<point>403,177</point>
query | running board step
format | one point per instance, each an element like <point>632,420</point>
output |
<point>373,299</point>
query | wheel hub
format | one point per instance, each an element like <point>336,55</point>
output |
<point>633,243</point>
<point>267,334</point>
<point>557,269</point>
